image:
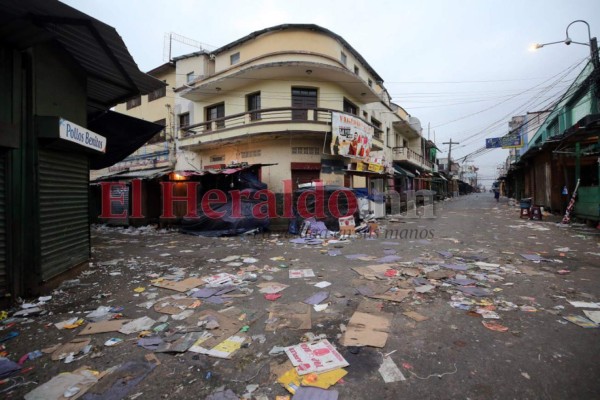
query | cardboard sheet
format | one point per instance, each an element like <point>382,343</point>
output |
<point>170,305</point>
<point>74,346</point>
<point>180,286</point>
<point>376,271</point>
<point>103,326</point>
<point>290,316</point>
<point>367,330</point>
<point>415,315</point>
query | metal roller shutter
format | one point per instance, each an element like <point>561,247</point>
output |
<point>3,236</point>
<point>63,208</point>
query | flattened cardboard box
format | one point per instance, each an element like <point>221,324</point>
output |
<point>367,330</point>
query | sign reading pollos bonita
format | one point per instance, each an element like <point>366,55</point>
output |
<point>80,135</point>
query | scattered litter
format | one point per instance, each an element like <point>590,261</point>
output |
<point>73,347</point>
<point>180,286</point>
<point>367,330</point>
<point>315,357</point>
<point>430,375</point>
<point>316,298</point>
<point>137,325</point>
<point>103,327</point>
<point>416,316</point>
<point>583,304</point>
<point>68,384</point>
<point>322,284</point>
<point>424,288</point>
<point>301,273</point>
<point>593,315</point>
<point>581,321</point>
<point>494,326</point>
<point>113,342</point>
<point>320,307</point>
<point>271,287</point>
<point>390,372</point>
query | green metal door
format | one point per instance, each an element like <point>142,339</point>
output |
<point>63,211</point>
<point>3,228</point>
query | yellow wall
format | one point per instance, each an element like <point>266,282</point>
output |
<point>291,41</point>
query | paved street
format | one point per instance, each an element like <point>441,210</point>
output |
<point>534,353</point>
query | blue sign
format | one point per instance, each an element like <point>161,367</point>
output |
<point>505,142</point>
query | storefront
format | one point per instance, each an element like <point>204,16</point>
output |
<point>60,71</point>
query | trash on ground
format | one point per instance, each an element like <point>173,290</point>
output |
<point>301,273</point>
<point>581,321</point>
<point>103,327</point>
<point>494,326</point>
<point>315,357</point>
<point>390,372</point>
<point>367,330</point>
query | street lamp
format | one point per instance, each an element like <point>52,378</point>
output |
<point>592,44</point>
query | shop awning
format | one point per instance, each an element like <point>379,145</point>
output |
<point>124,135</point>
<point>224,171</point>
<point>402,171</point>
<point>370,174</point>
<point>139,174</point>
<point>438,175</point>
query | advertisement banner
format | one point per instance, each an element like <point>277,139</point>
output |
<point>505,142</point>
<point>351,136</point>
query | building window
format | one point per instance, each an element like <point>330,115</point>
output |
<point>189,78</point>
<point>306,150</point>
<point>215,112</point>
<point>234,58</point>
<point>365,115</point>
<point>136,101</point>
<point>157,94</point>
<point>303,100</point>
<point>356,70</point>
<point>370,82</point>
<point>184,120</point>
<point>217,158</point>
<point>343,58</point>
<point>253,104</point>
<point>376,122</point>
<point>250,154</point>
<point>160,136</point>
<point>350,107</point>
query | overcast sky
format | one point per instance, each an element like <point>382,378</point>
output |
<point>461,67</point>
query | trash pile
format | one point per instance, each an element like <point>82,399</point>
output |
<point>284,316</point>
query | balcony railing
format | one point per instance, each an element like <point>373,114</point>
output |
<point>415,157</point>
<point>268,116</point>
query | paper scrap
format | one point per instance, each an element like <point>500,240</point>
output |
<point>317,298</point>
<point>390,372</point>
<point>137,325</point>
<point>301,273</point>
<point>581,321</point>
<point>584,304</point>
<point>416,316</point>
<point>315,357</point>
<point>593,315</point>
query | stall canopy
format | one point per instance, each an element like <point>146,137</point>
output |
<point>124,135</point>
<point>402,171</point>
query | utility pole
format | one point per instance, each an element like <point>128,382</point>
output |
<point>450,153</point>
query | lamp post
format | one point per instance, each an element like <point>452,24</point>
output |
<point>592,43</point>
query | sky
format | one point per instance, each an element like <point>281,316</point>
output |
<point>462,67</point>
